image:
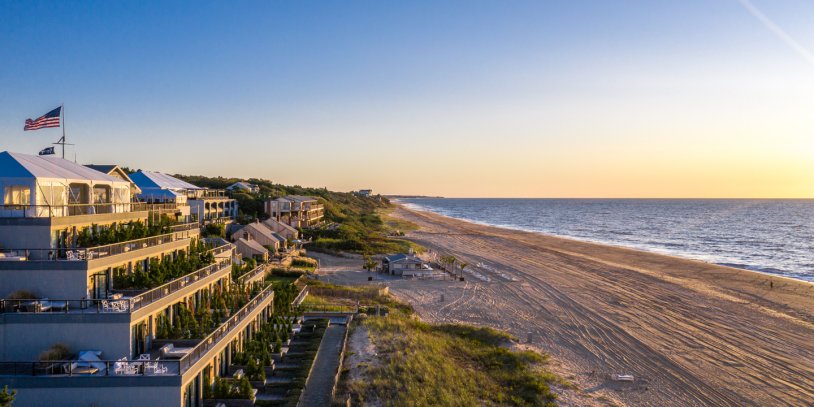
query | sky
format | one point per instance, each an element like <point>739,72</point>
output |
<point>661,99</point>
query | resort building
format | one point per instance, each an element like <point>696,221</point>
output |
<point>205,205</point>
<point>98,294</point>
<point>243,187</point>
<point>364,192</point>
<point>296,210</point>
<point>405,265</point>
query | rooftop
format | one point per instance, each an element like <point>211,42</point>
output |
<point>157,180</point>
<point>17,165</point>
<point>402,257</point>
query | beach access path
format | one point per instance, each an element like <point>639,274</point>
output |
<point>691,333</point>
<point>322,379</point>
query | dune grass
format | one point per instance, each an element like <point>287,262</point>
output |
<point>449,364</point>
<point>393,225</point>
<point>423,364</point>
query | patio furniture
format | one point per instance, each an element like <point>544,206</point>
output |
<point>88,362</point>
<point>124,368</point>
<point>155,368</point>
<point>55,305</point>
<point>169,350</point>
<point>116,306</point>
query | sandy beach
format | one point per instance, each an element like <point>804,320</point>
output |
<point>691,333</point>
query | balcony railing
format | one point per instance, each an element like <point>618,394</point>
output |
<point>301,296</point>
<point>224,329</point>
<point>251,274</point>
<point>54,211</point>
<point>206,193</point>
<point>124,301</point>
<point>179,232</point>
<point>141,299</point>
<point>155,207</point>
<point>96,368</point>
<point>84,306</point>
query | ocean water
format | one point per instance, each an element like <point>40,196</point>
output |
<point>771,236</point>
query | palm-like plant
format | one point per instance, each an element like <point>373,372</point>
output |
<point>370,264</point>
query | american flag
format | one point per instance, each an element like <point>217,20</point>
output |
<point>50,119</point>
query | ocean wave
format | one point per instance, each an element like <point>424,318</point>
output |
<point>730,233</point>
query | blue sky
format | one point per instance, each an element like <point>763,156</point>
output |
<point>465,98</point>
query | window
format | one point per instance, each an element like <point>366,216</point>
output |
<point>17,195</point>
<point>101,194</point>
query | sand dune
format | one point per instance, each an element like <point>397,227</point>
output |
<point>692,333</point>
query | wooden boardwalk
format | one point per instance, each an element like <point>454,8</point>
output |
<point>318,388</point>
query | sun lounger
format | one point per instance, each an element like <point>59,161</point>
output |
<point>88,363</point>
<point>170,351</point>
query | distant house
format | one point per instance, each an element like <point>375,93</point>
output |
<point>406,265</point>
<point>296,210</point>
<point>364,192</point>
<point>283,229</point>
<point>248,247</point>
<point>243,186</point>
<point>261,234</point>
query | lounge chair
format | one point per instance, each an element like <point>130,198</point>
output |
<point>88,362</point>
<point>169,350</point>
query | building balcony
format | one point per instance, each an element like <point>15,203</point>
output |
<point>255,275</point>
<point>56,211</point>
<point>202,194</point>
<point>189,364</point>
<point>150,301</point>
<point>92,255</point>
<point>223,335</point>
<point>133,303</point>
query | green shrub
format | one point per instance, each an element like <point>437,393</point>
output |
<point>58,351</point>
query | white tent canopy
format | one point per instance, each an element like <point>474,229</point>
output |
<point>158,187</point>
<point>42,186</point>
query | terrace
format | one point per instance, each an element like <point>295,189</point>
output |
<point>205,348</point>
<point>177,232</point>
<point>127,301</point>
<point>214,342</point>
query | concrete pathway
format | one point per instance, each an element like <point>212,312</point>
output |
<point>318,388</point>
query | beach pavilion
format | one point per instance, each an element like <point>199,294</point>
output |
<point>49,186</point>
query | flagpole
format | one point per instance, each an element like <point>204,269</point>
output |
<point>62,111</point>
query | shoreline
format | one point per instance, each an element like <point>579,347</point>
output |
<point>417,208</point>
<point>694,332</point>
